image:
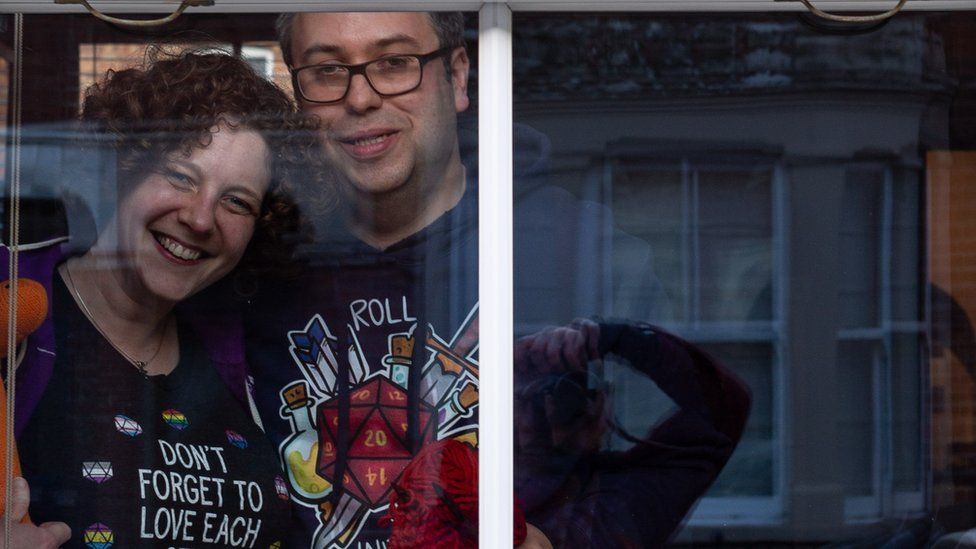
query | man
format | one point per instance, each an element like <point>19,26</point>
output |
<point>371,353</point>
<point>396,148</point>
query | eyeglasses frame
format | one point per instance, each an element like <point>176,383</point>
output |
<point>360,68</point>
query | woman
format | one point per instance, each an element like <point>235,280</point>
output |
<point>136,433</point>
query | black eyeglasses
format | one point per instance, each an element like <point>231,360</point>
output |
<point>388,76</point>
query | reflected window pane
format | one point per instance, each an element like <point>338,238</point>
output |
<point>643,192</point>
<point>907,251</point>
<point>801,190</point>
<point>860,237</point>
<point>734,222</point>
<point>750,471</point>
<point>906,381</point>
<point>857,373</point>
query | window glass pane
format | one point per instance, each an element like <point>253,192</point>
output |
<point>650,204</point>
<point>860,229</point>
<point>907,249</point>
<point>750,470</point>
<point>95,59</point>
<point>907,408</point>
<point>262,327</point>
<point>858,414</point>
<point>784,204</point>
<point>734,222</point>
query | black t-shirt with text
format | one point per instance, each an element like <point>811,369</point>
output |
<point>129,461</point>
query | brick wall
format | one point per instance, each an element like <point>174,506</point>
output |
<point>952,245</point>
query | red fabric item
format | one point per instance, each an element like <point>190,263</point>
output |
<point>434,503</point>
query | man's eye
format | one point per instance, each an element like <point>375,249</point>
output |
<point>394,63</point>
<point>327,71</point>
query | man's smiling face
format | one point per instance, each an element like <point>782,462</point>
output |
<point>404,143</point>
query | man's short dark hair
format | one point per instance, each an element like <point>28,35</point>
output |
<point>448,25</point>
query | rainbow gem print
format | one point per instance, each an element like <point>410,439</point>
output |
<point>99,536</point>
<point>236,439</point>
<point>175,419</point>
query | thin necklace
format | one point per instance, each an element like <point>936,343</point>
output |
<point>140,365</point>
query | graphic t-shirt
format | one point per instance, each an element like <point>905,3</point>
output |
<point>129,461</point>
<point>359,363</point>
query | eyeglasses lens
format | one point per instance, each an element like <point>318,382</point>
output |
<point>388,76</point>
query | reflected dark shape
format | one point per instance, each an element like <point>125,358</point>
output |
<point>581,494</point>
<point>952,329</point>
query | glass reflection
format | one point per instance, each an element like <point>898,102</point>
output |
<point>785,195</point>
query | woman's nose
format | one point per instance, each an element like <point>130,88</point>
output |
<point>198,214</point>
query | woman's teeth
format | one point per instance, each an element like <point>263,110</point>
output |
<point>369,140</point>
<point>177,249</point>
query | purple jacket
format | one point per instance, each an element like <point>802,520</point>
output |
<point>220,333</point>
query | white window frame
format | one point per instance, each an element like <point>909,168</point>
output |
<point>884,501</point>
<point>256,53</point>
<point>495,161</point>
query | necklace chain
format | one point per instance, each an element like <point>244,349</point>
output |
<point>141,365</point>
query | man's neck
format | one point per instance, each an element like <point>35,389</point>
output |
<point>383,220</point>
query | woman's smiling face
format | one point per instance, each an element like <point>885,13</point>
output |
<point>187,224</point>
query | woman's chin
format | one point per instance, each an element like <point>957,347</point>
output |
<point>168,291</point>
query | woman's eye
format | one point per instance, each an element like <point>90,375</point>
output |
<point>178,179</point>
<point>239,205</point>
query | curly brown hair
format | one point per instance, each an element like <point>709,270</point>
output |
<point>174,104</point>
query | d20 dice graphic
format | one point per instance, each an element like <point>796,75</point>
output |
<point>373,477</point>
<point>236,439</point>
<point>127,426</point>
<point>377,451</point>
<point>376,439</point>
<point>97,471</point>
<point>393,396</point>
<point>175,419</point>
<point>397,418</point>
<point>99,536</point>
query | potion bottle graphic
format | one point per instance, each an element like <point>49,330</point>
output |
<point>300,452</point>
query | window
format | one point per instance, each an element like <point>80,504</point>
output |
<point>880,360</point>
<point>788,195</point>
<point>712,227</point>
<point>780,206</point>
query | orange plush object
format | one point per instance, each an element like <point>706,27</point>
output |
<point>16,460</point>
<point>31,311</point>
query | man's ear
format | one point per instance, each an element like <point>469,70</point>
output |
<point>459,67</point>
